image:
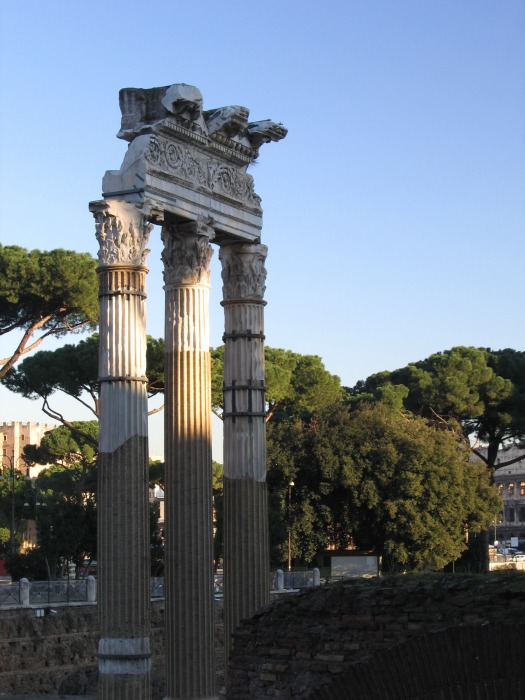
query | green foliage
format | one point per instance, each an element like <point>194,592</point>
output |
<point>415,493</point>
<point>31,564</point>
<point>73,370</point>
<point>380,479</point>
<point>217,382</point>
<point>155,365</point>
<point>217,477</point>
<point>63,505</point>
<point>46,293</point>
<point>11,493</point>
<point>478,391</point>
<point>294,383</point>
<point>5,536</point>
<point>66,445</point>
<point>156,473</point>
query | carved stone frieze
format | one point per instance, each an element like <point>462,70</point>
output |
<point>243,271</point>
<point>201,171</point>
<point>122,232</point>
<point>189,162</point>
<point>187,254</point>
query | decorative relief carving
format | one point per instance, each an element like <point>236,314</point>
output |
<point>210,173</point>
<point>243,271</point>
<point>187,253</point>
<point>122,233</point>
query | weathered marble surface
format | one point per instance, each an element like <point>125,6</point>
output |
<point>185,162</point>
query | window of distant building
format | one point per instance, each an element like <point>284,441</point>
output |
<point>510,489</point>
<point>522,514</point>
<point>522,488</point>
<point>510,515</point>
<point>500,490</point>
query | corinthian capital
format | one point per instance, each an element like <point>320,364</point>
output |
<point>243,271</point>
<point>122,232</point>
<point>187,253</point>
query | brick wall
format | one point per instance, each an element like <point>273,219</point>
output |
<point>401,637</point>
<point>56,653</point>
<point>389,638</point>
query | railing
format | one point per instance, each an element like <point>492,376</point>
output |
<point>46,592</point>
<point>39,593</point>
<point>9,594</point>
<point>26,593</point>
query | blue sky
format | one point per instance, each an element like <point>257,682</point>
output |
<point>394,210</point>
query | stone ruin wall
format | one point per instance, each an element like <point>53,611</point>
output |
<point>57,653</point>
<point>391,638</point>
<point>373,636</point>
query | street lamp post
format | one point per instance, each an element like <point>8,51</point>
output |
<point>290,484</point>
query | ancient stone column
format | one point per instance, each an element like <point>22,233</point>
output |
<point>190,661</point>
<point>123,523</point>
<point>246,547</point>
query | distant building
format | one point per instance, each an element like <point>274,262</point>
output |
<point>14,436</point>
<point>510,482</point>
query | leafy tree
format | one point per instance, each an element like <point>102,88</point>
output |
<point>62,499</point>
<point>155,365</point>
<point>379,479</point>
<point>294,383</point>
<point>31,564</point>
<point>66,445</point>
<point>416,492</point>
<point>73,370</point>
<point>66,516</point>
<point>44,293</point>
<point>11,496</point>
<point>156,473</point>
<point>290,495</point>
<point>477,391</point>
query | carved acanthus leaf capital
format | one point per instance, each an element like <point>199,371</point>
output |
<point>243,271</point>
<point>187,253</point>
<point>122,232</point>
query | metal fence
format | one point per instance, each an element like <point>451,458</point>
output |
<point>9,594</point>
<point>50,592</point>
<point>36,594</point>
<point>41,593</point>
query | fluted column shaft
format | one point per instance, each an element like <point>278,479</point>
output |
<point>190,660</point>
<point>123,509</point>
<point>246,546</point>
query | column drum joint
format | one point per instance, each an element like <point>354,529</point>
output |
<point>248,334</point>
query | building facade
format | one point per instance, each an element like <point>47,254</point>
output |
<point>14,436</point>
<point>510,482</point>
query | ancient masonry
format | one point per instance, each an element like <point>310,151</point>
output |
<point>185,170</point>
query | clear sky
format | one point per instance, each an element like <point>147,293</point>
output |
<point>394,210</point>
